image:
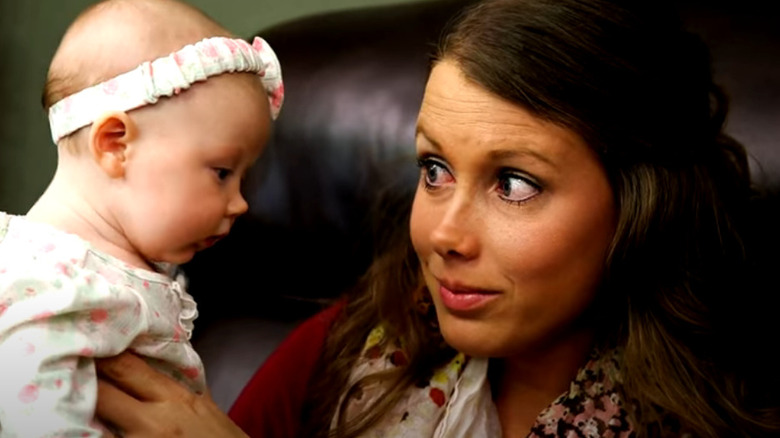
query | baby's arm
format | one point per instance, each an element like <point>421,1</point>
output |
<point>50,331</point>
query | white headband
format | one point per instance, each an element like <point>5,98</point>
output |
<point>167,76</point>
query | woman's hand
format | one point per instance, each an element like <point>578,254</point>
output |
<point>141,402</point>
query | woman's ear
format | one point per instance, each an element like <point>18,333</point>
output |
<point>109,139</point>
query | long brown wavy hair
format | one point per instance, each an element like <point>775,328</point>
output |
<point>638,88</point>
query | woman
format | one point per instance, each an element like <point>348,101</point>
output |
<point>577,230</point>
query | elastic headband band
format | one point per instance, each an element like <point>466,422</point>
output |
<point>167,76</point>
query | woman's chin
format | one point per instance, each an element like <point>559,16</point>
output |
<point>473,338</point>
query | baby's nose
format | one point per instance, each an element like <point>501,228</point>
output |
<point>237,206</point>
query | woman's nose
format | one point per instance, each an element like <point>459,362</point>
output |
<point>455,235</point>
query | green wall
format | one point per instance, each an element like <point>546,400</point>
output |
<point>29,34</point>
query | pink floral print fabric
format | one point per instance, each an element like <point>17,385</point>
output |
<point>63,304</point>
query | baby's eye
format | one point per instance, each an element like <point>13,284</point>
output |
<point>515,188</point>
<point>222,173</point>
<point>434,173</point>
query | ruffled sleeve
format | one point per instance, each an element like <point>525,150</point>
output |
<point>189,309</point>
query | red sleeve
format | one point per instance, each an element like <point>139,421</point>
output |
<point>270,405</point>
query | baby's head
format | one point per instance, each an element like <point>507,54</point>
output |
<point>164,172</point>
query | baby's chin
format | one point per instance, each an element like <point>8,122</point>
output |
<point>186,253</point>
<point>179,257</point>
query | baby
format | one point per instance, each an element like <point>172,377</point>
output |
<point>157,113</point>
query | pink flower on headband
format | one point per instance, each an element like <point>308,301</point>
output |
<point>210,50</point>
<point>232,46</point>
<point>277,96</point>
<point>110,87</point>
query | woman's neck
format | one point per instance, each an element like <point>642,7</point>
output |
<point>525,385</point>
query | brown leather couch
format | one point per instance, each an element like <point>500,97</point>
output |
<point>341,159</point>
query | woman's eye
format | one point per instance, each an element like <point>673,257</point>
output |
<point>222,173</point>
<point>515,188</point>
<point>434,173</point>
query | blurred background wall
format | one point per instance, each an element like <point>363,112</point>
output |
<point>29,34</point>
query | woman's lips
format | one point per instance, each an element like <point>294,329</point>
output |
<point>463,299</point>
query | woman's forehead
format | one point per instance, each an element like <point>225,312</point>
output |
<point>456,109</point>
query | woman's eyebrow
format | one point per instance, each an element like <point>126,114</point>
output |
<point>496,154</point>
<point>420,132</point>
<point>504,154</point>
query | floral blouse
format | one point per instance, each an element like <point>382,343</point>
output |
<point>456,401</point>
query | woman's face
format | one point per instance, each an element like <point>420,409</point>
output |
<point>512,220</point>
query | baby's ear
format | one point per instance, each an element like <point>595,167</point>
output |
<point>109,137</point>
